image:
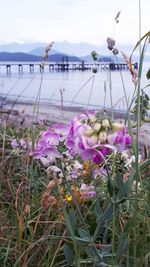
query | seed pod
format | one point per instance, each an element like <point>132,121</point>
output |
<point>115,51</point>
<point>94,69</point>
<point>94,55</point>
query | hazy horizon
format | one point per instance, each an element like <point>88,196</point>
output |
<point>89,21</point>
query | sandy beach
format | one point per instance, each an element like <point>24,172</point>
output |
<point>24,114</point>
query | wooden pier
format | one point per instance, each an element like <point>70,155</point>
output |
<point>62,66</point>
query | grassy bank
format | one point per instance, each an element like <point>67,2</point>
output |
<point>76,194</point>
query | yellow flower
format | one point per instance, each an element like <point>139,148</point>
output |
<point>86,165</point>
<point>68,197</point>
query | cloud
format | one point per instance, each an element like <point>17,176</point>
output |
<point>69,2</point>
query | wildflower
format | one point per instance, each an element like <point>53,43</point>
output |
<point>86,165</point>
<point>60,128</point>
<point>55,172</point>
<point>68,198</point>
<point>14,143</point>
<point>51,139</point>
<point>120,139</point>
<point>23,143</point>
<point>88,191</point>
<point>90,141</point>
<point>46,147</point>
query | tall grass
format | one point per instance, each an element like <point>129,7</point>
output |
<point>45,222</point>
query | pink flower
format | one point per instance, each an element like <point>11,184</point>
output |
<point>120,139</point>
<point>23,143</point>
<point>14,143</point>
<point>88,191</point>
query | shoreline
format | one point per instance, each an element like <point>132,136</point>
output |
<point>24,114</point>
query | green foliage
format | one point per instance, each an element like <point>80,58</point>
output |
<point>144,107</point>
<point>148,74</point>
<point>111,229</point>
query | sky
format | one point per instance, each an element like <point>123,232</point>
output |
<point>76,21</point>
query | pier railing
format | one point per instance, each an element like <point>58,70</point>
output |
<point>61,66</point>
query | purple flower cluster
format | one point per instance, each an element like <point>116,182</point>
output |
<point>22,144</point>
<point>46,148</point>
<point>87,136</point>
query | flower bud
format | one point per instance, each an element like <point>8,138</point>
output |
<point>105,123</point>
<point>116,126</point>
<point>92,140</point>
<point>146,119</point>
<point>102,136</point>
<point>97,127</point>
<point>89,132</point>
<point>93,118</point>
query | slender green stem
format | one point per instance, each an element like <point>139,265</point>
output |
<point>110,90</point>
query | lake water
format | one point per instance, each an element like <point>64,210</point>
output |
<point>79,88</point>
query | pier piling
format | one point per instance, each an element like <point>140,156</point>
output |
<point>68,66</point>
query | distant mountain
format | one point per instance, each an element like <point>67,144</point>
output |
<point>18,57</point>
<point>79,49</point>
<point>40,51</point>
<point>67,48</point>
<point>99,59</point>
<point>17,47</point>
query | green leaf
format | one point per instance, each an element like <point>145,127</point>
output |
<point>130,180</point>
<point>97,209</point>
<point>123,242</point>
<point>138,43</point>
<point>121,185</point>
<point>72,218</point>
<point>148,74</point>
<point>68,255</point>
<point>108,213</point>
<point>84,234</point>
<point>144,164</point>
<point>110,187</point>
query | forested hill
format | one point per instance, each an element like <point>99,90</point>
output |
<point>5,56</point>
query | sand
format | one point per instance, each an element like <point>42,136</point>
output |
<point>24,114</point>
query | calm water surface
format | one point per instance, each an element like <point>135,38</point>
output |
<point>80,87</point>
